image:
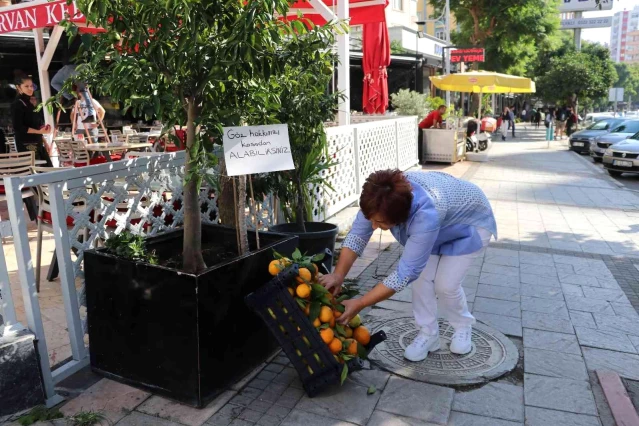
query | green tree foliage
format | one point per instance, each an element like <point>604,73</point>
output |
<point>510,31</point>
<point>628,78</point>
<point>202,64</point>
<point>582,76</point>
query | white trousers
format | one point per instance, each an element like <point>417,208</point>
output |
<point>441,281</point>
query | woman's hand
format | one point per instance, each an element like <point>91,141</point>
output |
<point>332,282</point>
<point>353,307</point>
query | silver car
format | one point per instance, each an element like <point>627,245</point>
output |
<point>622,157</point>
<point>580,141</point>
<point>622,132</point>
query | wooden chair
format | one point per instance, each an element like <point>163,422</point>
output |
<point>65,152</point>
<point>11,145</point>
<point>18,164</point>
<point>45,218</point>
<point>81,156</point>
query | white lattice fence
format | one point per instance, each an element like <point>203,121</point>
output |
<point>88,205</point>
<point>406,142</point>
<point>342,178</point>
<point>376,147</point>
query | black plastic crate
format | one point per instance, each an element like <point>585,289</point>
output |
<point>300,341</point>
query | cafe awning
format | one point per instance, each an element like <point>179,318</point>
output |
<point>361,11</point>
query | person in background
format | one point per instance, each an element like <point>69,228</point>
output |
<point>560,122</point>
<point>434,119</point>
<point>571,121</point>
<point>537,118</point>
<point>27,124</point>
<point>512,120</point>
<point>505,120</point>
<point>444,224</point>
<point>82,110</point>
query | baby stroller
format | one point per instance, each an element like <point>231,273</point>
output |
<point>476,141</point>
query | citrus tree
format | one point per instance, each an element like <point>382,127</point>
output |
<point>196,63</point>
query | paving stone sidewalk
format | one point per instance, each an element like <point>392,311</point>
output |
<point>569,308</point>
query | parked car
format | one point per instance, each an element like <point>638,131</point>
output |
<point>622,157</point>
<point>580,141</point>
<point>593,117</point>
<point>622,132</point>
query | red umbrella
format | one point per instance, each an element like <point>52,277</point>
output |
<point>376,52</point>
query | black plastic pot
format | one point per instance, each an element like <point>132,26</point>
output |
<point>318,237</point>
<point>183,336</point>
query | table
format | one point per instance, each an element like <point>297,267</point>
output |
<point>106,148</point>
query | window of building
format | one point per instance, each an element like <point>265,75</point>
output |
<point>398,4</point>
<point>440,34</point>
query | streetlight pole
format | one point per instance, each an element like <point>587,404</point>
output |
<point>418,63</point>
<point>447,35</point>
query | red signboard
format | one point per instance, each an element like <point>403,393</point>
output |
<point>23,17</point>
<point>466,55</point>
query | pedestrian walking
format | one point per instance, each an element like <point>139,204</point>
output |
<point>571,121</point>
<point>512,120</point>
<point>537,118</point>
<point>560,122</point>
<point>444,224</point>
<point>505,121</point>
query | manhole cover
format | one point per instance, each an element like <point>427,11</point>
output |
<point>492,355</point>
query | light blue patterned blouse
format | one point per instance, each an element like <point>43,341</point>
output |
<point>444,215</point>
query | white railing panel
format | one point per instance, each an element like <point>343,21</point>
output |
<point>342,177</point>
<point>406,142</point>
<point>8,319</point>
<point>376,147</point>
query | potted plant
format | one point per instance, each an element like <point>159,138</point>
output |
<point>175,322</point>
<point>307,104</point>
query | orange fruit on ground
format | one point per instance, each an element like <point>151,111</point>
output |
<point>304,276</point>
<point>351,346</point>
<point>331,322</point>
<point>348,332</point>
<point>303,291</point>
<point>362,335</point>
<point>335,346</point>
<point>327,335</point>
<point>275,267</point>
<point>326,314</point>
<point>317,323</point>
<point>337,313</point>
<point>290,290</point>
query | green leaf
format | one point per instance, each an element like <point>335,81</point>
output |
<point>318,257</point>
<point>319,289</point>
<point>344,374</point>
<point>314,312</point>
<point>340,308</point>
<point>300,302</point>
<point>340,329</point>
<point>276,255</point>
<point>326,301</point>
<point>342,298</point>
<point>361,351</point>
<point>297,255</point>
<point>371,390</point>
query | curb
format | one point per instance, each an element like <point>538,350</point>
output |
<point>600,171</point>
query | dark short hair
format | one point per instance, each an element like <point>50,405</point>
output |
<point>388,193</point>
<point>441,106</point>
<point>21,78</point>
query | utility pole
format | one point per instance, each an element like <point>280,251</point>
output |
<point>447,34</point>
<point>578,33</point>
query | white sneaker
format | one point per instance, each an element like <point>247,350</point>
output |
<point>422,344</point>
<point>461,343</point>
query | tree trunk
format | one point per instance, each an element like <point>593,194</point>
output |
<point>225,201</point>
<point>241,215</point>
<point>300,214</point>
<point>193,261</point>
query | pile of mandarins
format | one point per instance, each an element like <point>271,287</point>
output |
<point>323,309</point>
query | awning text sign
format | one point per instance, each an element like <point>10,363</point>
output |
<point>27,16</point>
<point>257,149</point>
<point>467,55</point>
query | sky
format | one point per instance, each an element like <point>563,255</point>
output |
<point>602,35</point>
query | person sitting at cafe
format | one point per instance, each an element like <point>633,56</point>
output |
<point>434,119</point>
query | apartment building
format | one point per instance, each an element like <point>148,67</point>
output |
<point>623,23</point>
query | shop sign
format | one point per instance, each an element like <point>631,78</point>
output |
<point>584,5</point>
<point>21,18</point>
<point>467,55</point>
<point>603,22</point>
<point>257,149</point>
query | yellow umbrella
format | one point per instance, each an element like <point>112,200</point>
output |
<point>483,82</point>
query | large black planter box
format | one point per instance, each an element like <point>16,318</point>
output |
<point>183,336</point>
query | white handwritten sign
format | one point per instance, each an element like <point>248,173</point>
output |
<point>257,149</point>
